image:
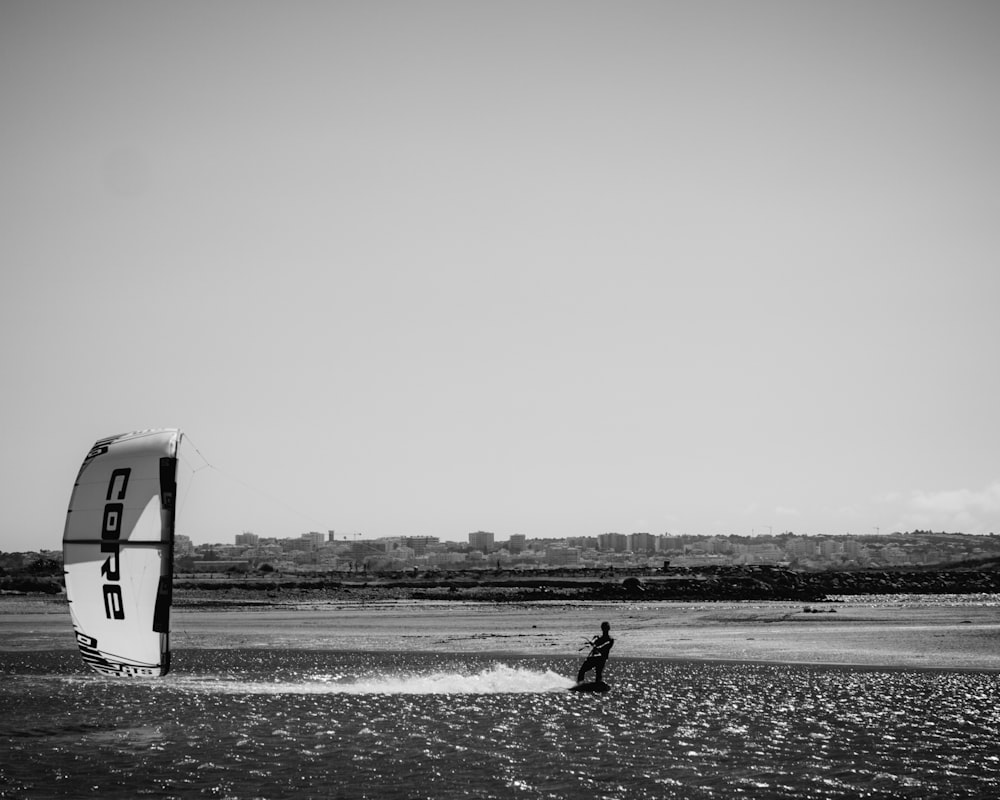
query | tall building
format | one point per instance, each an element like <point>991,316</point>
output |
<point>481,540</point>
<point>419,544</point>
<point>315,538</point>
<point>516,543</point>
<point>830,547</point>
<point>247,539</point>
<point>801,547</point>
<point>642,543</point>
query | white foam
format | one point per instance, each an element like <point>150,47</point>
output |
<point>496,679</point>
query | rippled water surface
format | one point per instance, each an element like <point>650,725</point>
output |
<point>269,724</point>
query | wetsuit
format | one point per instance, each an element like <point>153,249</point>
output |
<point>598,657</point>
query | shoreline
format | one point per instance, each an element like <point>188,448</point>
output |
<point>904,632</point>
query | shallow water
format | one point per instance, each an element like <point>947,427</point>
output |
<point>276,724</point>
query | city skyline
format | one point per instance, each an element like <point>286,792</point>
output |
<point>536,267</point>
<point>317,552</point>
<point>312,551</point>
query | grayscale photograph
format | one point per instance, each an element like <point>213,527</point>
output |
<point>488,399</point>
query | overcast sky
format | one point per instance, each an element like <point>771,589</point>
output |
<point>551,268</point>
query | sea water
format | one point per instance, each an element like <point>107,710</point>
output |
<point>306,724</point>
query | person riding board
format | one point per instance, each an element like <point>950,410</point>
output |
<point>600,649</point>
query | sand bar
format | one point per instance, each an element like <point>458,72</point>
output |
<point>890,632</point>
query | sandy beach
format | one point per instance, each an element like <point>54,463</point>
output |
<point>960,633</point>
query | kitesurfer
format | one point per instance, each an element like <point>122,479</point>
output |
<point>600,649</point>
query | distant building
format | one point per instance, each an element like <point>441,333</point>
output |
<point>612,542</point>
<point>562,556</point>
<point>247,539</point>
<point>481,540</point>
<point>672,543</point>
<point>360,549</point>
<point>801,547</point>
<point>760,554</point>
<point>516,543</point>
<point>445,559</point>
<point>419,544</point>
<point>830,547</point>
<point>314,538</point>
<point>717,546</point>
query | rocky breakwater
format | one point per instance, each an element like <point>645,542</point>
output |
<point>768,583</point>
<point>964,581</point>
<point>671,583</point>
<point>680,584</point>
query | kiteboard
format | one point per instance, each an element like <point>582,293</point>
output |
<point>590,686</point>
